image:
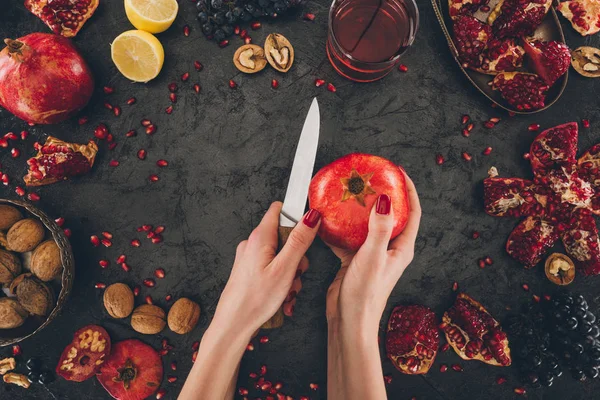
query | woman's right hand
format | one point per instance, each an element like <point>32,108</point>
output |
<point>358,295</point>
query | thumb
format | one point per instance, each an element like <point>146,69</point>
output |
<point>381,224</point>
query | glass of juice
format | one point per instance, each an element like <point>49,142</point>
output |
<point>367,37</point>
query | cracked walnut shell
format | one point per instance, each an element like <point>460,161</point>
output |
<point>183,316</point>
<point>46,263</point>
<point>586,61</point>
<point>25,235</point>
<point>148,319</point>
<point>12,314</point>
<point>279,52</point>
<point>250,59</point>
<point>560,269</point>
<point>10,266</point>
<point>118,300</point>
<point>33,294</point>
<point>8,216</point>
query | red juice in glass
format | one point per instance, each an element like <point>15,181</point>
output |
<point>367,37</point>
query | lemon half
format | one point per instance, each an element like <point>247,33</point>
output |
<point>138,55</point>
<point>152,16</point>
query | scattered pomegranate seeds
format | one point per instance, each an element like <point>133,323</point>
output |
<point>141,154</point>
<point>162,163</point>
<point>172,379</point>
<point>153,178</point>
<point>150,129</point>
<point>585,123</point>
<point>488,260</point>
<point>131,133</point>
<point>387,379</point>
<point>100,285</point>
<point>533,127</point>
<point>402,68</point>
<point>59,221</point>
<point>148,300</point>
<point>160,394</point>
<point>11,136</point>
<point>15,153</point>
<point>250,347</point>
<point>232,84</point>
<point>107,235</point>
<point>278,386</point>
<point>487,151</point>
<point>274,83</point>
<point>464,119</point>
<point>457,367</point>
<point>117,111</point>
<point>243,33</point>
<point>185,76</point>
<point>173,366</point>
<point>145,228</point>
<point>121,259</point>
<point>16,350</point>
<point>475,235</point>
<point>224,43</point>
<point>108,106</point>
<point>525,287</point>
<point>112,146</point>
<point>195,345</point>
<point>67,232</point>
<point>319,82</point>
<point>519,390</point>
<point>264,339</point>
<point>146,122</point>
<point>196,88</point>
<point>331,88</point>
<point>173,98</point>
<point>3,142</point>
<point>131,101</point>
<point>313,386</point>
<point>172,88</point>
<point>512,113</point>
<point>494,120</point>
<point>489,124</point>
<point>82,120</point>
<point>109,137</point>
<point>455,286</point>
<point>252,375</point>
<point>95,240</point>
<point>263,370</point>
<point>24,135</point>
<point>481,263</point>
<point>439,159</point>
<point>125,267</point>
<point>186,30</point>
<point>159,273</point>
<point>198,65</point>
<point>309,16</point>
<point>536,298</point>
<point>466,133</point>
<point>243,391</point>
<point>255,25</point>
<point>443,368</point>
<point>101,132</point>
<point>500,380</point>
<point>168,297</point>
<point>136,290</point>
<point>466,156</point>
<point>136,243</point>
<point>470,126</point>
<point>33,197</point>
<point>113,163</point>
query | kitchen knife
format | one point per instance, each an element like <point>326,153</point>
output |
<point>297,189</point>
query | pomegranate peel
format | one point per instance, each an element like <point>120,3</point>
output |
<point>85,354</point>
<point>474,334</point>
<point>584,15</point>
<point>64,17</point>
<point>516,18</point>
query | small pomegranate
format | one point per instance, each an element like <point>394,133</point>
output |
<point>412,339</point>
<point>474,334</point>
<point>525,92</point>
<point>43,78</point>
<point>64,17</point>
<point>550,60</point>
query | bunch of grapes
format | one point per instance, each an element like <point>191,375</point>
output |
<point>218,18</point>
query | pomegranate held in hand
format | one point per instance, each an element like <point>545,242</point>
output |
<point>43,79</point>
<point>85,354</point>
<point>345,191</point>
<point>412,339</point>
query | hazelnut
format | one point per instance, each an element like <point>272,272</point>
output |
<point>279,52</point>
<point>33,294</point>
<point>586,61</point>
<point>25,235</point>
<point>250,58</point>
<point>46,263</point>
<point>118,300</point>
<point>183,316</point>
<point>559,269</point>
<point>10,266</point>
<point>12,314</point>
<point>8,216</point>
<point>7,364</point>
<point>148,319</point>
<point>17,379</point>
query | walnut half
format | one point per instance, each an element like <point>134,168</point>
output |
<point>17,379</point>
<point>7,364</point>
<point>250,58</point>
<point>279,52</point>
<point>586,61</point>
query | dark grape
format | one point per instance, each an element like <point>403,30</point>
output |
<point>203,17</point>
<point>219,35</point>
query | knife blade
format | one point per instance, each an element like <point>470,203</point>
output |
<point>297,189</point>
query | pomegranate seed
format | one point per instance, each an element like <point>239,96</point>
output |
<point>402,68</point>
<point>108,106</point>
<point>494,120</point>
<point>194,355</point>
<point>536,298</point>
<point>519,390</point>
<point>131,101</point>
<point>121,259</point>
<point>236,30</point>
<point>487,151</point>
<point>3,142</point>
<point>244,34</point>
<point>224,43</point>
<point>511,113</point>
<point>95,240</point>
<point>164,343</point>
<point>113,163</point>
<point>250,347</point>
<point>159,229</point>
<point>109,137</point>
<point>112,146</point>
<point>243,391</point>
<point>313,386</point>
<point>585,123</point>
<point>160,394</point>
<point>173,366</point>
<point>136,243</point>
<point>168,297</point>
<point>159,273</point>
<point>150,235</point>
<point>117,111</point>
<point>525,287</point>
<point>106,242</point>
<point>439,159</point>
<point>162,163</point>
<point>101,132</point>
<point>149,282</point>
<point>108,90</point>
<point>11,136</point>
<point>173,98</point>
<point>198,65</point>
<point>500,380</point>
<point>196,88</point>
<point>232,84</point>
<point>278,386</point>
<point>466,133</point>
<point>547,297</point>
<point>150,129</point>
<point>445,347</point>
<point>266,386</point>
<point>82,120</point>
<point>247,40</point>
<point>169,110</point>
<point>141,154</point>
<point>100,285</point>
<point>24,135</point>
<point>457,367</point>
<point>455,286</point>
<point>481,263</point>
<point>387,379</point>
<point>255,25</point>
<point>252,375</point>
<point>195,345</point>
<point>59,221</point>
<point>153,178</point>
<point>303,398</point>
<point>148,300</point>
<point>67,232</point>
<point>20,191</point>
<point>443,368</point>
<point>185,76</point>
<point>526,156</point>
<point>104,263</point>
<point>156,239</point>
<point>475,235</point>
<point>172,379</point>
<point>533,127</point>
<point>466,156</point>
<point>145,228</point>
<point>130,133</point>
<point>319,82</point>
<point>263,370</point>
<point>125,267</point>
<point>5,179</point>
<point>274,83</point>
<point>15,153</point>
<point>331,88</point>
<point>186,30</point>
<point>489,124</point>
<point>146,122</point>
<point>16,350</point>
<point>470,126</point>
<point>488,260</point>
<point>309,16</point>
<point>264,339</point>
<point>136,290</point>
<point>33,197</point>
<point>172,87</point>
<point>464,119</point>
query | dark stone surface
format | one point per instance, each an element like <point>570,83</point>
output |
<point>230,153</point>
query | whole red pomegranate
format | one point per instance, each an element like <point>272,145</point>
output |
<point>344,193</point>
<point>43,79</point>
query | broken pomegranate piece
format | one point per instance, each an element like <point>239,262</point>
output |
<point>550,60</point>
<point>133,371</point>
<point>511,197</point>
<point>554,147</point>
<point>516,18</point>
<point>474,334</point>
<point>582,243</point>
<point>530,240</point>
<point>525,92</point>
<point>583,14</point>
<point>502,56</point>
<point>464,7</point>
<point>64,17</point>
<point>589,170</point>
<point>85,354</point>
<point>569,187</point>
<point>57,160</point>
<point>412,339</point>
<point>471,37</point>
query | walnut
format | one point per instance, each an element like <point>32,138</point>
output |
<point>148,319</point>
<point>7,364</point>
<point>33,294</point>
<point>25,235</point>
<point>8,216</point>
<point>10,266</point>
<point>586,61</point>
<point>118,300</point>
<point>12,314</point>
<point>17,379</point>
<point>46,263</point>
<point>560,269</point>
<point>3,241</point>
<point>250,58</point>
<point>279,52</point>
<point>183,316</point>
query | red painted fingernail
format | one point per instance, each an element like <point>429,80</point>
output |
<point>311,219</point>
<point>290,296</point>
<point>384,204</point>
<point>298,273</point>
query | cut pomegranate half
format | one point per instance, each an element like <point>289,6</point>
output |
<point>512,197</point>
<point>530,240</point>
<point>412,339</point>
<point>550,60</point>
<point>516,18</point>
<point>554,147</point>
<point>474,334</point>
<point>64,17</point>
<point>582,243</point>
<point>525,92</point>
<point>471,37</point>
<point>57,160</point>
<point>583,14</point>
<point>85,354</point>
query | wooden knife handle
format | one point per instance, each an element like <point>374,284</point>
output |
<point>276,320</point>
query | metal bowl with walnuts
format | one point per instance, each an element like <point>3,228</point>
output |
<point>36,270</point>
